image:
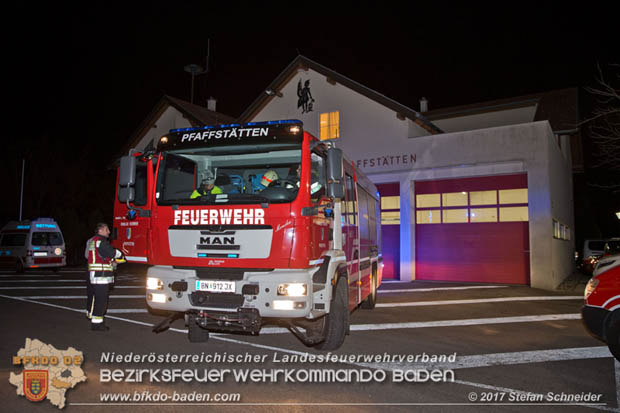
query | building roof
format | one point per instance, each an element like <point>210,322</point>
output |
<point>559,107</point>
<point>195,114</point>
<point>303,62</point>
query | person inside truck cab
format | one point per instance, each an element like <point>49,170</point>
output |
<point>315,181</point>
<point>207,186</point>
<point>265,180</point>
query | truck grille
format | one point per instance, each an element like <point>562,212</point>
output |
<point>205,299</point>
<point>231,274</point>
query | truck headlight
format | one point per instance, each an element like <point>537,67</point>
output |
<point>154,284</point>
<point>293,290</point>
<point>58,251</point>
<point>590,287</point>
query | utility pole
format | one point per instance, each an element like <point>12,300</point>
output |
<point>21,195</point>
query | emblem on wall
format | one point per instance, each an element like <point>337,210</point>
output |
<point>305,101</point>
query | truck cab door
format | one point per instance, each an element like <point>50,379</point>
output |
<point>131,232</point>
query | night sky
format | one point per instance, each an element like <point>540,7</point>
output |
<point>80,81</point>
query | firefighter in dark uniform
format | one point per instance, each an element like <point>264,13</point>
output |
<point>101,262</point>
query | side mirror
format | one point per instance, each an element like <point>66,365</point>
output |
<point>335,173</point>
<point>127,173</point>
<point>127,179</point>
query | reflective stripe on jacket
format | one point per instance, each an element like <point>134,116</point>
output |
<point>95,261</point>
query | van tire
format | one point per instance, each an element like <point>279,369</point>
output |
<point>370,301</point>
<point>195,333</point>
<point>19,267</point>
<point>337,321</point>
<point>613,335</point>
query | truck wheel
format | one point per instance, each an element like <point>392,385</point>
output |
<point>19,267</point>
<point>370,301</point>
<point>195,333</point>
<point>613,337</point>
<point>337,320</point>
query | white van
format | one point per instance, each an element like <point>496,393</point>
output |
<point>32,244</point>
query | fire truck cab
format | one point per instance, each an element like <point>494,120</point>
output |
<point>251,224</point>
<point>601,310</point>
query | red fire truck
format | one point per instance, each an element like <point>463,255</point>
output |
<point>601,310</point>
<point>250,224</point>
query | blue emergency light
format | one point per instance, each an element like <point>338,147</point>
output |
<point>232,125</point>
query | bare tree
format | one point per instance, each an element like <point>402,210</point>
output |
<point>604,124</point>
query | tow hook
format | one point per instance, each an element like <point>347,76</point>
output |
<point>165,324</point>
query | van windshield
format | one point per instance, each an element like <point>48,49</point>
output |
<point>46,238</point>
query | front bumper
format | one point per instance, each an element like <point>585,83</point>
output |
<point>178,293</point>
<point>594,319</point>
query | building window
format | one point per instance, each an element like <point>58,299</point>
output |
<point>561,231</point>
<point>483,215</point>
<point>454,199</point>
<point>428,216</point>
<point>513,214</point>
<point>428,201</point>
<point>453,216</point>
<point>513,196</point>
<point>390,210</point>
<point>501,205</point>
<point>483,198</point>
<point>330,125</point>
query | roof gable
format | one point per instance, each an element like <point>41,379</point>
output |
<point>302,62</point>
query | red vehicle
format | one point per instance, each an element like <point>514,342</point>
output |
<point>244,225</point>
<point>601,312</point>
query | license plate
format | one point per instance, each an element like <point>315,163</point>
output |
<point>216,286</point>
<point>40,254</point>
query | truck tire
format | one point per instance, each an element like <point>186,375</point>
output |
<point>370,301</point>
<point>613,336</point>
<point>337,320</point>
<point>195,333</point>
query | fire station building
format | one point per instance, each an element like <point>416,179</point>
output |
<point>481,193</point>
<point>472,194</point>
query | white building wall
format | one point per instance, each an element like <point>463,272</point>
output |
<point>170,119</point>
<point>562,210</point>
<point>365,122</point>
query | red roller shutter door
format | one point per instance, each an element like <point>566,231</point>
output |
<point>473,229</point>
<point>390,229</point>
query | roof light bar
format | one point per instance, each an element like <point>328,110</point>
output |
<point>232,125</point>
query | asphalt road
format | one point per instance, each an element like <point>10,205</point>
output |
<point>513,348</point>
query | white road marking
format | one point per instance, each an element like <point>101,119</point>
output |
<point>482,300</point>
<point>62,287</point>
<point>46,281</point>
<point>422,290</point>
<point>43,281</point>
<point>502,359</point>
<point>13,274</point>
<point>283,350</point>
<point>126,310</point>
<point>68,297</point>
<point>446,323</point>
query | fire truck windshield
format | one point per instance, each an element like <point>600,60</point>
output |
<point>241,174</point>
